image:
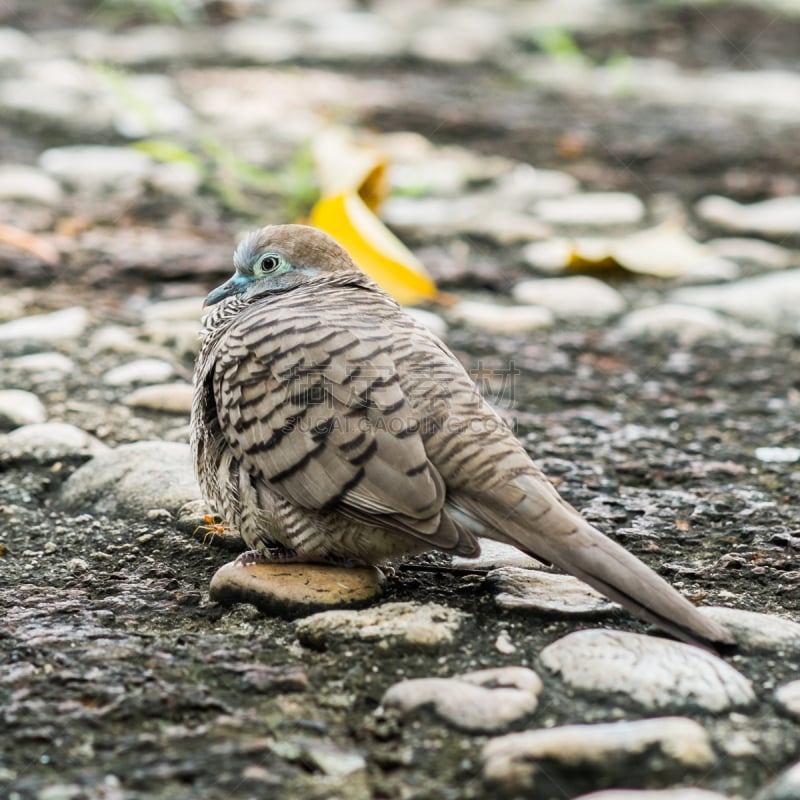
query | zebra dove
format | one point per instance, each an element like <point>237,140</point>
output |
<point>329,426</point>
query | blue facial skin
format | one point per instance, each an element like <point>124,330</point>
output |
<point>269,273</point>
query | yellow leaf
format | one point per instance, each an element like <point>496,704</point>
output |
<point>375,249</point>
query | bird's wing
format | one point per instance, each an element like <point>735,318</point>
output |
<point>316,410</point>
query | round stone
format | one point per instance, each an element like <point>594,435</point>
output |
<point>133,479</point>
<point>292,590</point>
<point>48,442</point>
<point>488,700</point>
<point>653,673</point>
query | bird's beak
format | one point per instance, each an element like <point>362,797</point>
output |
<point>233,286</point>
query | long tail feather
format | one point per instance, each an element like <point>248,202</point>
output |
<point>547,528</point>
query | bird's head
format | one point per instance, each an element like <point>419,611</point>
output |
<point>281,257</point>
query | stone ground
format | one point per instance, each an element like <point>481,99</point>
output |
<point>659,390</point>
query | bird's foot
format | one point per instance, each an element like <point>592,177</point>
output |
<point>273,554</point>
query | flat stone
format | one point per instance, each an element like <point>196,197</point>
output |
<point>688,324</point>
<point>18,407</point>
<point>143,370</point>
<point>592,210</point>
<point>293,590</point>
<point>132,479</point>
<point>653,673</point>
<point>767,300</point>
<point>547,593</point>
<point>388,626</point>
<point>682,793</point>
<point>69,323</point>
<point>497,318</point>
<point>578,296</point>
<point>521,761</point>
<point>788,698</point>
<point>176,398</point>
<point>496,554</point>
<point>774,217</point>
<point>48,442</point>
<point>755,631</point>
<point>485,701</point>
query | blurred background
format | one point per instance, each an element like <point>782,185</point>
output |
<point>140,137</point>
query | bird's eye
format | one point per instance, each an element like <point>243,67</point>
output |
<point>268,263</point>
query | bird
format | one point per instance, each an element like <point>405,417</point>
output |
<point>329,426</point>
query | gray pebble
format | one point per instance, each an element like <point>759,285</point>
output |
<point>47,442</point>
<point>353,36</point>
<point>497,318</point>
<point>785,787</point>
<point>175,398</point>
<point>388,626</point>
<point>18,407</point>
<point>578,296</point>
<point>44,365</point>
<point>757,632</point>
<point>184,309</point>
<point>132,479</point>
<point>515,761</point>
<point>788,698</point>
<point>96,167</point>
<point>681,793</point>
<point>774,217</point>
<point>546,592</point>
<point>69,323</point>
<point>688,324</point>
<point>653,673</point>
<point>756,251</point>
<point>766,300</point>
<point>496,554</point>
<point>485,701</point>
<point>28,184</point>
<point>144,370</point>
<point>592,210</point>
